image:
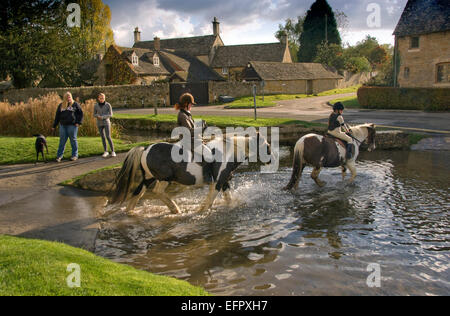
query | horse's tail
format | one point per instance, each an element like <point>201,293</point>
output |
<point>126,178</point>
<point>297,166</point>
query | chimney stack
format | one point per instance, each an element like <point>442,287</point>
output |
<point>157,43</point>
<point>137,35</point>
<point>216,27</point>
<point>284,39</point>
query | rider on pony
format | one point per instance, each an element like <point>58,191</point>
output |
<point>336,124</point>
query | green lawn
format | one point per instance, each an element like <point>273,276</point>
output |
<point>270,100</point>
<point>220,121</point>
<point>14,150</point>
<point>39,268</point>
<point>348,102</point>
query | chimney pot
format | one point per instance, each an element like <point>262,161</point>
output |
<point>137,35</point>
<point>157,43</point>
<point>216,27</point>
<point>284,39</point>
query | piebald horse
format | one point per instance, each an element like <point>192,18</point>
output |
<point>158,168</point>
<point>327,152</point>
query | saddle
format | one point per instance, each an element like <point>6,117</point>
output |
<point>349,148</point>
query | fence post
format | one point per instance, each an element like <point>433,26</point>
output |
<point>254,100</point>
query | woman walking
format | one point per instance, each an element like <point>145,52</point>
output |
<point>103,113</point>
<point>69,116</point>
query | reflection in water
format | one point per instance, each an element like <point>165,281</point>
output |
<point>315,241</point>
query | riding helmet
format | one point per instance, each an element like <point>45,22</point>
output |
<point>338,106</point>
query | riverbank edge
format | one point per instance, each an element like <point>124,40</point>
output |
<point>35,267</point>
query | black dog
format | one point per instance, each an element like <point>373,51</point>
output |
<point>41,142</point>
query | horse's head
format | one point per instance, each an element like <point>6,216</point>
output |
<point>370,139</point>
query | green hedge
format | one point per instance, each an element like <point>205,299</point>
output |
<point>425,99</point>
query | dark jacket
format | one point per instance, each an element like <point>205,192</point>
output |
<point>333,122</point>
<point>68,117</point>
<point>185,119</point>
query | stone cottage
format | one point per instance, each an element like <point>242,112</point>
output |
<point>190,59</point>
<point>422,44</point>
<point>307,78</point>
<point>230,61</point>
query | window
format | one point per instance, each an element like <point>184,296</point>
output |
<point>156,61</point>
<point>443,73</point>
<point>415,43</point>
<point>135,60</point>
<point>225,71</point>
<point>406,73</point>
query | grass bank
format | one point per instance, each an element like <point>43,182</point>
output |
<point>15,150</point>
<point>219,121</point>
<point>348,102</point>
<point>271,100</point>
<point>39,268</point>
<point>73,181</point>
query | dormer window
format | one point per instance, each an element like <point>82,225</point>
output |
<point>156,61</point>
<point>135,60</point>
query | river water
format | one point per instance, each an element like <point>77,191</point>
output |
<point>316,241</point>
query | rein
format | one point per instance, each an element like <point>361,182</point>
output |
<point>354,138</point>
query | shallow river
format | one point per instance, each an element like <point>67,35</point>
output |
<point>315,241</point>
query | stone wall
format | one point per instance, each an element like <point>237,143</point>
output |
<point>433,48</point>
<point>232,88</point>
<point>285,87</point>
<point>119,96</point>
<point>240,89</point>
<point>352,79</point>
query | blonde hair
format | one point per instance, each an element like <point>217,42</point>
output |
<point>65,103</point>
<point>102,95</point>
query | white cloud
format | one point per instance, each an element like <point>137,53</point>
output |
<point>383,36</point>
<point>242,21</point>
<point>152,21</point>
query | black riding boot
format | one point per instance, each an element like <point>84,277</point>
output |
<point>349,151</point>
<point>207,172</point>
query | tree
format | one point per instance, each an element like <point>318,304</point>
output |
<point>369,48</point>
<point>36,45</point>
<point>293,29</point>
<point>331,55</point>
<point>358,65</point>
<point>319,25</point>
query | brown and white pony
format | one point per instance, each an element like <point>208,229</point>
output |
<point>327,152</point>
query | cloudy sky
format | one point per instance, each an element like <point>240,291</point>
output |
<point>243,21</point>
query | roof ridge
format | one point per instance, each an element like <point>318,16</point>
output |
<point>255,44</point>
<point>178,38</point>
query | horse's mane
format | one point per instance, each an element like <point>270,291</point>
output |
<point>365,125</point>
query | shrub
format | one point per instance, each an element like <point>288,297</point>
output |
<point>36,116</point>
<point>358,65</point>
<point>428,99</point>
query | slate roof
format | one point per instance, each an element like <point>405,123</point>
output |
<point>195,46</point>
<point>189,67</point>
<point>171,62</point>
<point>288,71</point>
<point>146,66</point>
<point>240,55</point>
<point>423,17</point>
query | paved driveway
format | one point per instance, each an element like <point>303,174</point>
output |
<point>315,109</point>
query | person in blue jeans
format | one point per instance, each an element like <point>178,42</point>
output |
<point>69,116</point>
